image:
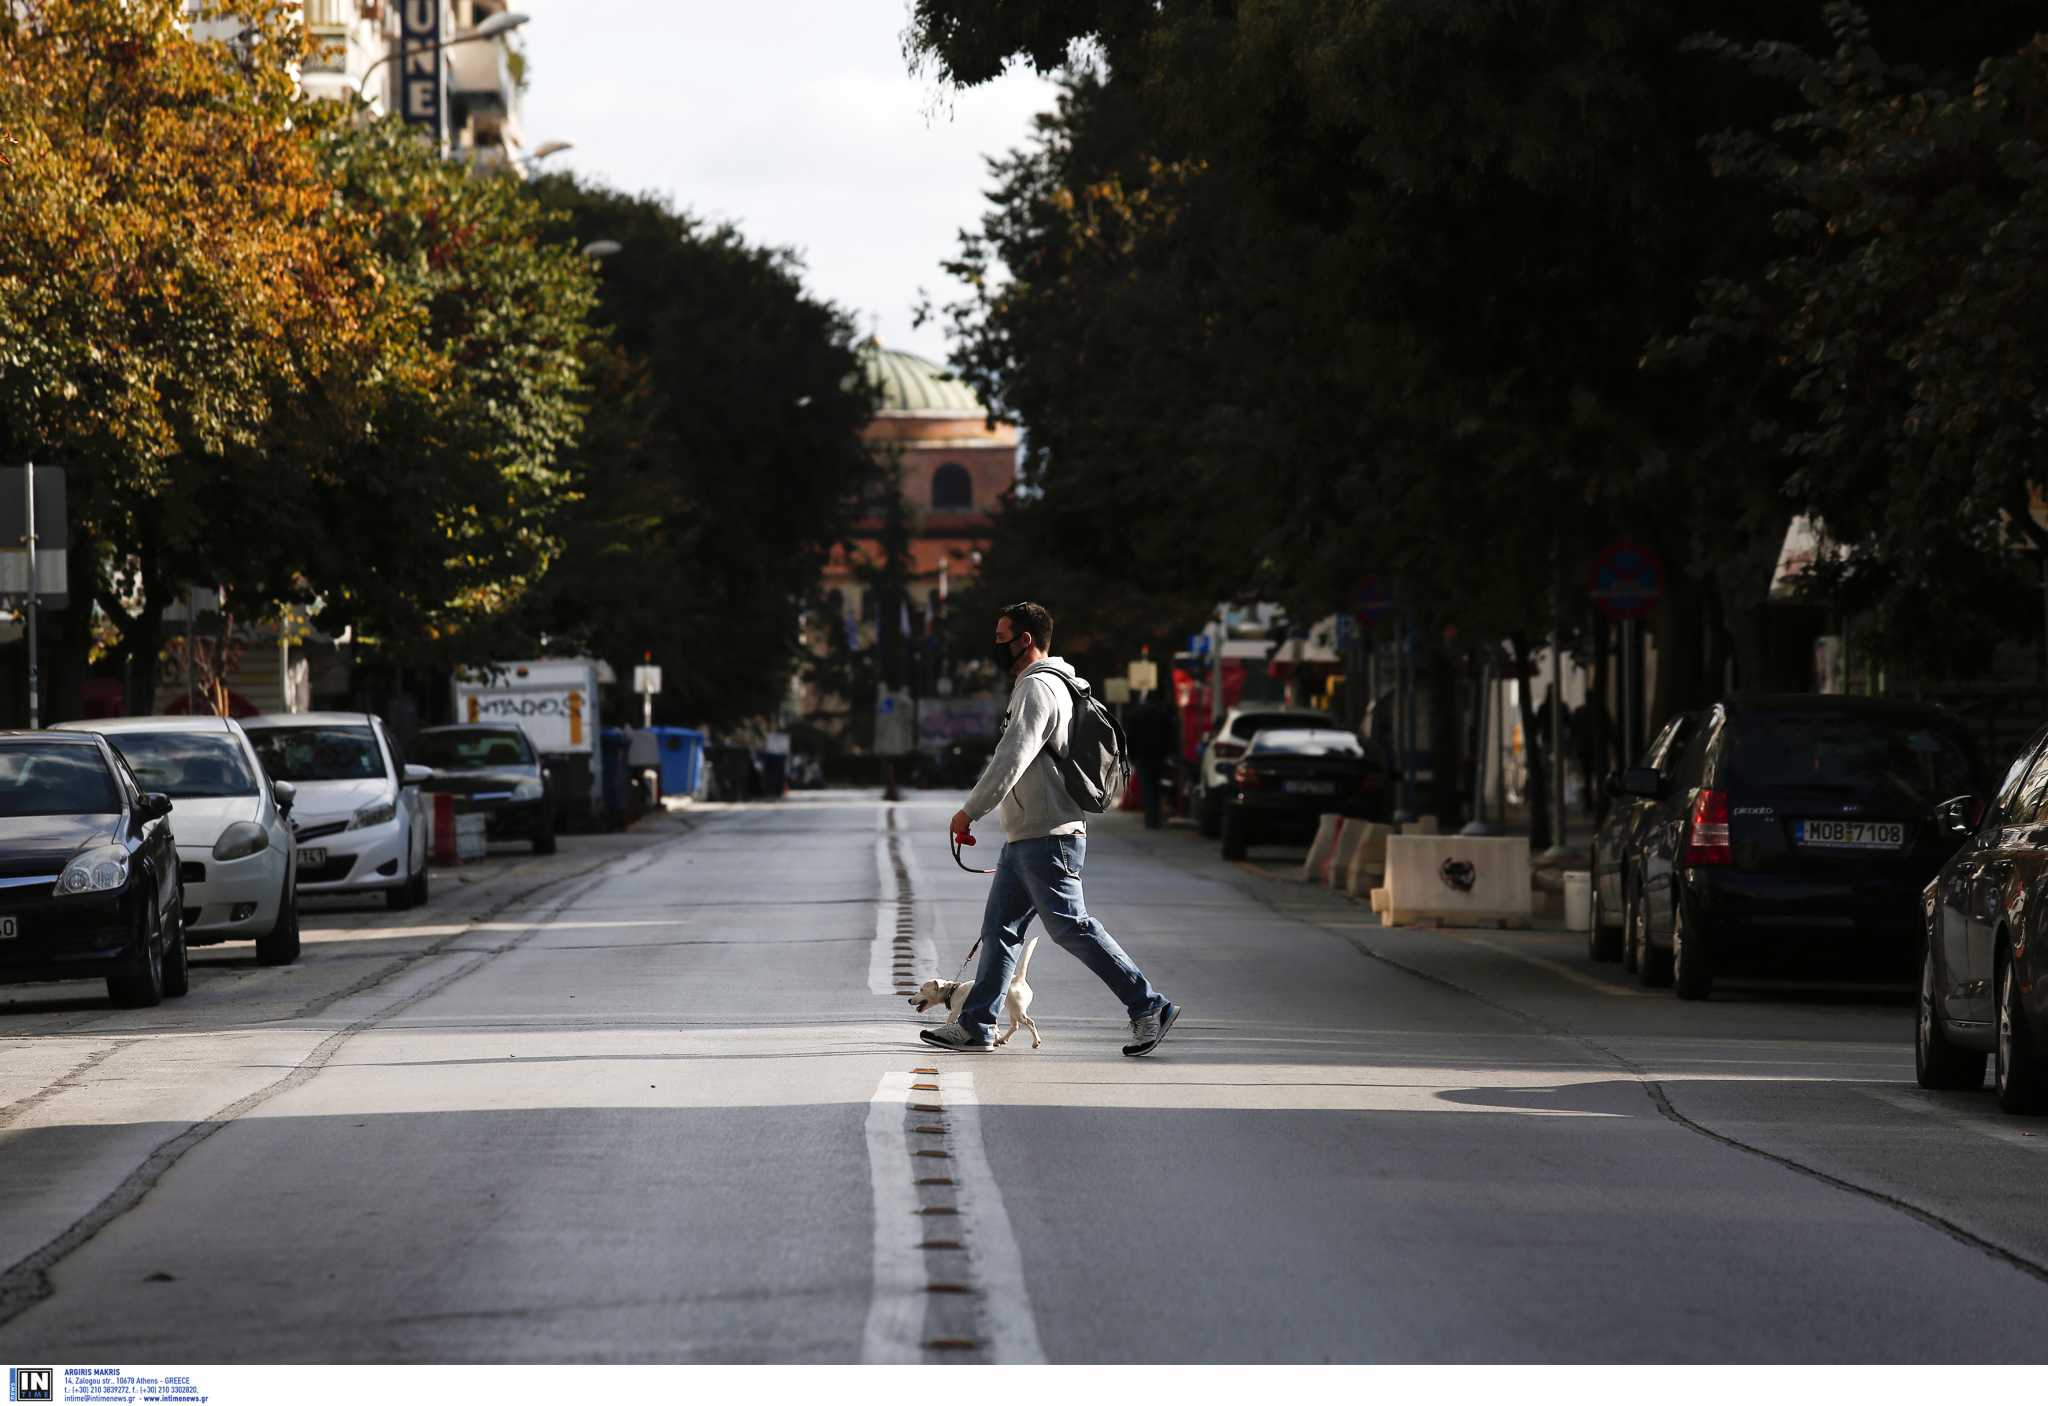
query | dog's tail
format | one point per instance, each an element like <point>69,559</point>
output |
<point>1024,960</point>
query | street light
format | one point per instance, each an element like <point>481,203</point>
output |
<point>502,23</point>
<point>547,149</point>
<point>602,248</point>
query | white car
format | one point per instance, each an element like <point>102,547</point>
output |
<point>361,825</point>
<point>1226,748</point>
<point>230,825</point>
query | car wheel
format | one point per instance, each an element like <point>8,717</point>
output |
<point>1211,816</point>
<point>1236,833</point>
<point>140,980</point>
<point>1629,956</point>
<point>1653,966</point>
<point>280,946</point>
<point>400,898</point>
<point>1692,961</point>
<point>419,888</point>
<point>544,835</point>
<point>1937,1063</point>
<point>177,965</point>
<point>2020,1085</point>
<point>1603,939</point>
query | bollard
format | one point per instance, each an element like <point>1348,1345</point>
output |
<point>889,792</point>
<point>1578,900</point>
<point>446,849</point>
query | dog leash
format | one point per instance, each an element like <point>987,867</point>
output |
<point>977,941</point>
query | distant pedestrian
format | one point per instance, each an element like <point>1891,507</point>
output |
<point>1150,729</point>
<point>1039,870</point>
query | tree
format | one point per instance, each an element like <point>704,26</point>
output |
<point>1313,291</point>
<point>1902,321</point>
<point>720,460</point>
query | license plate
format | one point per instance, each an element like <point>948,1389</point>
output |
<point>1851,834</point>
<point>312,858</point>
<point>8,928</point>
<point>1310,788</point>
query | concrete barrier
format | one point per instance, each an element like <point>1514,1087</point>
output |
<point>1368,857</point>
<point>1318,862</point>
<point>1348,841</point>
<point>1456,879</point>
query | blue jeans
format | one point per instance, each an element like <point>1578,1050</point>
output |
<point>1044,877</point>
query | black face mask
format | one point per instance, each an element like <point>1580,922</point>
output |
<point>1005,657</point>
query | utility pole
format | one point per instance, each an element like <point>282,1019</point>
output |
<point>35,683</point>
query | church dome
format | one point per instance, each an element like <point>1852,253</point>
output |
<point>911,385</point>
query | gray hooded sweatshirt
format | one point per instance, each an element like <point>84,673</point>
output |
<point>1022,776</point>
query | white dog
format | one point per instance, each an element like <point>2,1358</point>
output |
<point>953,995</point>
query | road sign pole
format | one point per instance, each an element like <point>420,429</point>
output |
<point>35,683</point>
<point>1628,694</point>
<point>1481,739</point>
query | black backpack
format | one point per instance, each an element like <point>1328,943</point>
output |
<point>1096,765</point>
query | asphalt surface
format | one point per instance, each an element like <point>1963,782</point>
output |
<point>656,1099</point>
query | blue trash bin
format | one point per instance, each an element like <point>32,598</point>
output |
<point>682,760</point>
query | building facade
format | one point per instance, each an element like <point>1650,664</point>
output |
<point>951,470</point>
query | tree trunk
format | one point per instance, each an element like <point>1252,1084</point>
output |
<point>1447,766</point>
<point>1534,749</point>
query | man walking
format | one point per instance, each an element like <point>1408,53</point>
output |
<point>1039,870</point>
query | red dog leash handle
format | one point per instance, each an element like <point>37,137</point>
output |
<point>963,863</point>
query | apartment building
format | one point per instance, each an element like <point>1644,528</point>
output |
<point>411,57</point>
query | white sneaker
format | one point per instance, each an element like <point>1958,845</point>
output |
<point>953,1036</point>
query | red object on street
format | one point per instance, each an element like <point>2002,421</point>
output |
<point>444,829</point>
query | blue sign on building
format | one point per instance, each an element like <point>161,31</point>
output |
<point>421,95</point>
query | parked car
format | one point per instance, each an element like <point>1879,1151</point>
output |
<point>235,846</point>
<point>495,772</point>
<point>1215,774</point>
<point>1797,826</point>
<point>1622,826</point>
<point>360,824</point>
<point>1981,967</point>
<point>88,871</point>
<point>1291,778</point>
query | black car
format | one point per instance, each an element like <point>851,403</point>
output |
<point>1622,826</point>
<point>88,870</point>
<point>1981,967</point>
<point>1291,778</point>
<point>492,771</point>
<point>1797,827</point>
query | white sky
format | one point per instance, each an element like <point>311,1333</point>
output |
<point>796,119</point>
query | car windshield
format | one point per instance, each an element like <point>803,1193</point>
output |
<point>187,765</point>
<point>1314,742</point>
<point>1253,723</point>
<point>56,780</point>
<point>331,753</point>
<point>472,749</point>
<point>1842,752</point>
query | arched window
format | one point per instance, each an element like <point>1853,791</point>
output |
<point>952,489</point>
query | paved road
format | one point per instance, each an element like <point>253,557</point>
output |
<point>655,1099</point>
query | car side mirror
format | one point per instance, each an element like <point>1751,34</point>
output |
<point>1960,815</point>
<point>1642,781</point>
<point>285,794</point>
<point>153,805</point>
<point>418,775</point>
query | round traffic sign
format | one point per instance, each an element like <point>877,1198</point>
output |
<point>1627,581</point>
<point>1374,602</point>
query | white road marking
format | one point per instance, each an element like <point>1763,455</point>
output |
<point>931,918</point>
<point>1925,1104</point>
<point>895,1326</point>
<point>881,980</point>
<point>1010,1327</point>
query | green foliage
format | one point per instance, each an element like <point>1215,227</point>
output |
<point>721,459</point>
<point>1304,291</point>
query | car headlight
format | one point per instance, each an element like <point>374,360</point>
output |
<point>375,813</point>
<point>240,840</point>
<point>527,791</point>
<point>96,871</point>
